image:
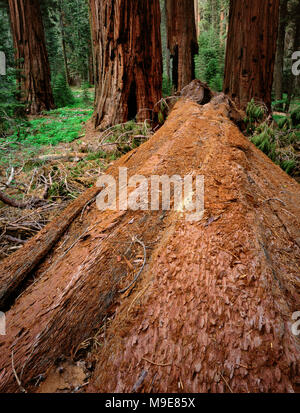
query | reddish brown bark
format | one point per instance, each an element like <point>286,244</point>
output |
<point>31,55</point>
<point>128,60</point>
<point>251,48</point>
<point>182,40</point>
<point>212,309</point>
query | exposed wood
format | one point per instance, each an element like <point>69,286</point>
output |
<point>128,60</point>
<point>182,40</point>
<point>251,47</point>
<point>31,55</point>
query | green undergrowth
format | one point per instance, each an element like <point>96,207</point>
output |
<point>62,125</point>
<point>278,138</point>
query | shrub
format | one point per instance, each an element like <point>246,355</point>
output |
<point>278,140</point>
<point>295,117</point>
<point>209,63</point>
<point>62,93</point>
<point>12,112</point>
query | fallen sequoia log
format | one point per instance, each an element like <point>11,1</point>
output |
<point>211,310</point>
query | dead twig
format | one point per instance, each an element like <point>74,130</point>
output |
<point>136,240</point>
<point>156,364</point>
<point>226,382</point>
<point>15,373</point>
<point>22,205</point>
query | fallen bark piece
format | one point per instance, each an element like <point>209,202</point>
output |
<point>212,310</point>
<point>63,156</point>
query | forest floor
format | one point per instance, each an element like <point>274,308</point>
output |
<point>55,157</point>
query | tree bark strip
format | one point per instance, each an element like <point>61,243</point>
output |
<point>31,55</point>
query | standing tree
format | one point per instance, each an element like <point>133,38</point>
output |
<point>279,61</point>
<point>294,34</point>
<point>182,40</point>
<point>31,55</point>
<point>128,59</point>
<point>251,48</point>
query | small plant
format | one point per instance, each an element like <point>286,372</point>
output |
<point>167,86</point>
<point>295,117</point>
<point>209,63</point>
<point>86,97</point>
<point>278,140</point>
<point>62,93</point>
<point>125,137</point>
<point>12,111</point>
<point>255,114</point>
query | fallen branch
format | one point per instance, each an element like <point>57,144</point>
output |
<point>141,270</point>
<point>64,156</point>
<point>34,202</point>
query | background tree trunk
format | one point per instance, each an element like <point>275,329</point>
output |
<point>295,12</point>
<point>278,70</point>
<point>251,48</point>
<point>182,40</point>
<point>63,41</point>
<point>197,17</point>
<point>31,55</point>
<point>128,59</point>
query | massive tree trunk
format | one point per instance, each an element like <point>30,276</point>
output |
<point>212,308</point>
<point>31,55</point>
<point>127,49</point>
<point>182,40</point>
<point>278,71</point>
<point>251,47</point>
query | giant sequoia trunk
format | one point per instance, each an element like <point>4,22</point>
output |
<point>31,55</point>
<point>278,72</point>
<point>182,40</point>
<point>127,49</point>
<point>212,308</point>
<point>251,47</point>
